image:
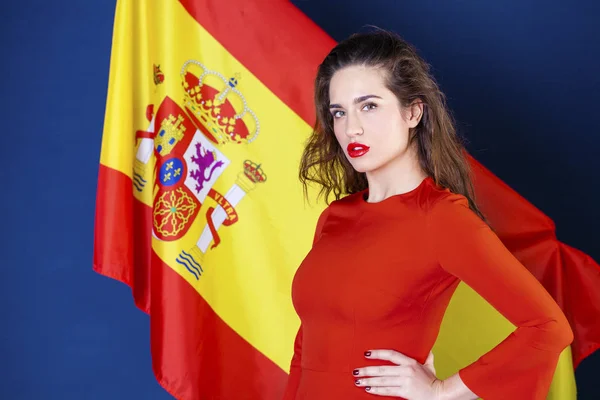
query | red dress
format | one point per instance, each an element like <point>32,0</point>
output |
<point>380,276</point>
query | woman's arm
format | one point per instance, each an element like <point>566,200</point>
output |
<point>453,388</point>
<point>523,365</point>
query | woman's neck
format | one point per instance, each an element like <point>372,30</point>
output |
<point>399,176</point>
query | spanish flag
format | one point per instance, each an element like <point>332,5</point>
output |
<point>200,211</point>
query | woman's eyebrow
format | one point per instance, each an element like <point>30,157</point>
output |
<point>357,100</point>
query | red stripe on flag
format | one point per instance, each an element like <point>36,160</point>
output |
<point>269,37</point>
<point>195,354</point>
<point>119,252</point>
<point>114,258</point>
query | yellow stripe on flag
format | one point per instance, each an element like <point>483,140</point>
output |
<point>247,278</point>
<point>130,85</point>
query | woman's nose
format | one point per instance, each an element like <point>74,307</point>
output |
<point>353,126</point>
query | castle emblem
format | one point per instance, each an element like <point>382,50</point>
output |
<point>171,132</point>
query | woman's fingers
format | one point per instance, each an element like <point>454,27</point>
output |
<point>383,386</point>
<point>393,391</point>
<point>398,370</point>
<point>390,355</point>
<point>381,381</point>
<point>407,378</point>
<point>377,371</point>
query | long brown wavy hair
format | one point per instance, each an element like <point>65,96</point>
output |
<point>440,150</point>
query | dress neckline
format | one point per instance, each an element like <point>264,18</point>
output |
<point>364,194</point>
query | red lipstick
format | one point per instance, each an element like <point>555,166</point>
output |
<point>357,149</point>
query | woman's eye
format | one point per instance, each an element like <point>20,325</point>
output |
<point>369,106</point>
<point>337,114</point>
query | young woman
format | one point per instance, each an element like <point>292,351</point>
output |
<point>386,258</point>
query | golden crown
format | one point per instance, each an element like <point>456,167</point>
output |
<point>216,106</point>
<point>254,172</point>
<point>251,174</point>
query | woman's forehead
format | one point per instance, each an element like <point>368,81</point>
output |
<point>356,81</point>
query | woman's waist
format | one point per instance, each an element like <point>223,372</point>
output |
<point>344,357</point>
<point>327,385</point>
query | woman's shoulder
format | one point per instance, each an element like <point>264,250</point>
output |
<point>436,197</point>
<point>337,204</point>
<point>451,209</point>
<point>348,201</point>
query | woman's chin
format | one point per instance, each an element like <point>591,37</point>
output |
<point>361,166</point>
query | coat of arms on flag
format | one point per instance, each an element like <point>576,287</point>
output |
<point>186,142</point>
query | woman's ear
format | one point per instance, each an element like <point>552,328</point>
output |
<point>414,113</point>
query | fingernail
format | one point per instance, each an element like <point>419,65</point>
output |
<point>357,382</point>
<point>367,353</point>
<point>368,388</point>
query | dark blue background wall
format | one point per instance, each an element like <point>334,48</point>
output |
<point>522,78</point>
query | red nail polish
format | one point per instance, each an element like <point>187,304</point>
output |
<point>367,353</point>
<point>368,388</point>
<point>357,382</point>
<point>355,372</point>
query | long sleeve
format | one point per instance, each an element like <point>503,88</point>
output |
<point>522,366</point>
<point>295,365</point>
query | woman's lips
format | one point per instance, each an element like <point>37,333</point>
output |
<point>357,149</point>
